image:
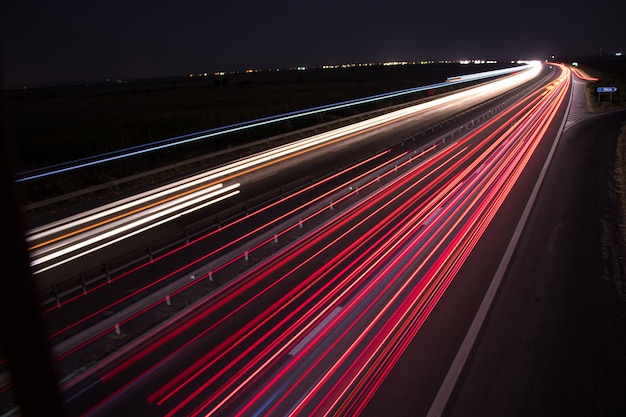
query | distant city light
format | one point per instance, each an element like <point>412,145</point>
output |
<point>353,65</point>
<point>478,61</point>
<point>392,63</point>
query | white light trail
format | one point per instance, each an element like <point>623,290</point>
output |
<point>130,229</point>
<point>181,196</point>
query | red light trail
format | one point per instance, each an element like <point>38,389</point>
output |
<point>324,321</point>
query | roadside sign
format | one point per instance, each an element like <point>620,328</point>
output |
<point>607,89</point>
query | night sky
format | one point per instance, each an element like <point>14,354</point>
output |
<point>52,42</point>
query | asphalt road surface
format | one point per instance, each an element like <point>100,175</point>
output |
<point>553,343</point>
<point>286,327</point>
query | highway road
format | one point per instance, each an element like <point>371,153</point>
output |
<point>554,341</point>
<point>320,326</point>
<point>151,281</point>
<point>394,243</point>
<point>66,247</point>
<point>551,343</point>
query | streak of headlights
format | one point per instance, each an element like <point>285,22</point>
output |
<point>104,220</point>
<point>180,140</point>
<point>153,218</point>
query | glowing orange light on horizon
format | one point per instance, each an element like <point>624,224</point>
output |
<point>580,74</point>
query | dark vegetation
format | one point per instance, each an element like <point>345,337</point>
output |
<point>611,72</point>
<point>59,124</point>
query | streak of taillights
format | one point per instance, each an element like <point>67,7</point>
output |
<point>477,216</point>
<point>346,399</point>
<point>420,254</point>
<point>582,75</point>
<point>443,191</point>
<point>179,329</point>
<point>111,306</point>
<point>426,165</point>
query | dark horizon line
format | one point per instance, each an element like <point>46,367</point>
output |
<point>114,81</point>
